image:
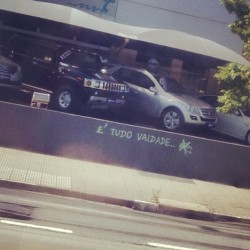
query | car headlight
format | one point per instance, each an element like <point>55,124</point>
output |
<point>194,110</point>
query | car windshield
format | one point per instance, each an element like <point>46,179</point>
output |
<point>82,59</point>
<point>246,112</point>
<point>171,85</point>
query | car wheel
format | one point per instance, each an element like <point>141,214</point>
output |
<point>248,138</point>
<point>65,99</point>
<point>172,119</point>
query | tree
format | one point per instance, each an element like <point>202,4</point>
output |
<point>234,79</point>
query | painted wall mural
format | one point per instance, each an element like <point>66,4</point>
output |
<point>96,7</point>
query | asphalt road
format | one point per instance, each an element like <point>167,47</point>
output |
<point>40,221</point>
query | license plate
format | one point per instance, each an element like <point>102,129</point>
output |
<point>210,125</point>
<point>106,86</point>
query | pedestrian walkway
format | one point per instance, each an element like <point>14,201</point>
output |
<point>123,186</point>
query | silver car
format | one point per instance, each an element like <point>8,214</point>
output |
<point>164,99</point>
<point>236,125</point>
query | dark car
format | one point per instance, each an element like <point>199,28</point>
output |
<point>10,73</point>
<point>69,73</point>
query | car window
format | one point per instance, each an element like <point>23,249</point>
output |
<point>83,59</point>
<point>135,77</point>
<point>238,113</point>
<point>141,80</point>
<point>20,47</point>
<point>172,86</point>
<point>246,112</point>
<point>123,75</point>
<point>44,54</point>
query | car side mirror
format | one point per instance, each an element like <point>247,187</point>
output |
<point>153,90</point>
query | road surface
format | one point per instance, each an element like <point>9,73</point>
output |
<point>40,221</point>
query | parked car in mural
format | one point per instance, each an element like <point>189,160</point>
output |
<point>10,73</point>
<point>164,99</point>
<point>69,73</point>
<point>236,125</point>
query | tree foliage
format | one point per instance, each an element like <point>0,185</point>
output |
<point>234,79</point>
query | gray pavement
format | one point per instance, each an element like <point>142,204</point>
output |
<point>122,186</point>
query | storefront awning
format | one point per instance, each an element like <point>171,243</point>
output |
<point>169,38</point>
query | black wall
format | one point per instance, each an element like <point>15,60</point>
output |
<point>107,142</point>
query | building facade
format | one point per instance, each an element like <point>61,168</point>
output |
<point>203,18</point>
<point>198,18</point>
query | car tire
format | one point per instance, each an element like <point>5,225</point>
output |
<point>172,119</point>
<point>248,138</point>
<point>65,99</point>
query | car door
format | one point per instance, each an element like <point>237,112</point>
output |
<point>142,97</point>
<point>42,66</point>
<point>232,124</point>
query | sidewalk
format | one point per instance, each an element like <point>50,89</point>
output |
<point>122,186</point>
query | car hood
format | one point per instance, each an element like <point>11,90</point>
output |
<point>192,101</point>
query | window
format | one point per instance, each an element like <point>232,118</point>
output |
<point>122,75</point>
<point>141,80</point>
<point>84,59</point>
<point>135,77</point>
<point>43,54</point>
<point>173,86</point>
<point>21,48</point>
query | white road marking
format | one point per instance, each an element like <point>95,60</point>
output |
<point>169,246</point>
<point>53,229</point>
<point>34,203</point>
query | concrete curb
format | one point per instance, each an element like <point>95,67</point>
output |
<point>145,206</point>
<point>133,204</point>
<point>199,215</point>
<point>66,193</point>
